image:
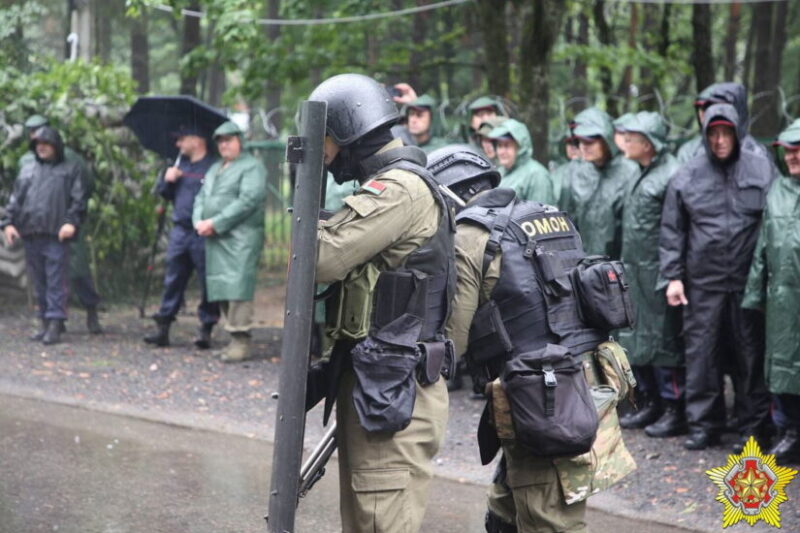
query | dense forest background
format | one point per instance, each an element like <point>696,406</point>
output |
<point>83,62</point>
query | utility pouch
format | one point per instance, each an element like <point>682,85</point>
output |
<point>488,337</point>
<point>603,293</point>
<point>384,364</point>
<point>397,293</point>
<point>348,310</point>
<point>615,369</point>
<point>551,406</point>
<point>436,359</point>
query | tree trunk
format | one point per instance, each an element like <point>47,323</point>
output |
<point>749,52</point>
<point>731,39</point>
<point>103,14</point>
<point>491,17</point>
<point>606,39</point>
<point>419,30</point>
<point>540,30</point>
<point>190,41</point>
<point>140,54</point>
<point>623,89</point>
<point>770,21</point>
<point>578,85</point>
<point>273,85</point>
<point>650,42</point>
<point>702,57</point>
<point>216,84</point>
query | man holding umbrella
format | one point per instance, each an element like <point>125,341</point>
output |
<point>186,249</point>
<point>157,122</point>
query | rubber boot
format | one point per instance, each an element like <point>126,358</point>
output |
<point>93,321</point>
<point>456,381</point>
<point>203,340</point>
<point>39,335</point>
<point>161,336</point>
<point>239,348</point>
<point>787,450</point>
<point>671,423</point>
<point>648,412</point>
<point>53,333</point>
<point>495,524</point>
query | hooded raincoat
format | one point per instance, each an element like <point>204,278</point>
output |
<point>724,93</point>
<point>594,196</point>
<point>47,194</point>
<point>773,285</point>
<point>712,213</point>
<point>233,197</point>
<point>656,337</point>
<point>529,178</point>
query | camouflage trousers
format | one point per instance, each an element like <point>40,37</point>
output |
<point>384,477</point>
<point>528,494</point>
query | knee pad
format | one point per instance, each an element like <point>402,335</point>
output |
<point>495,524</point>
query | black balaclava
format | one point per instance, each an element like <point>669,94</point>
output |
<point>346,166</point>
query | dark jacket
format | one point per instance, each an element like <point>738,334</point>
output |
<point>47,194</point>
<point>183,191</point>
<point>712,212</point>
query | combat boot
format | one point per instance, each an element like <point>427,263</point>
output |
<point>787,450</point>
<point>93,321</point>
<point>671,423</point>
<point>161,336</point>
<point>648,412</point>
<point>239,348</point>
<point>53,333</point>
<point>203,340</point>
<point>39,335</point>
<point>495,524</point>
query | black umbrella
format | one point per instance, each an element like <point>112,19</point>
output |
<point>157,119</point>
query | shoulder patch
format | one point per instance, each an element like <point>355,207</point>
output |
<point>374,187</point>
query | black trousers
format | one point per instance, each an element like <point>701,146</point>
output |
<point>48,266</point>
<point>719,334</point>
<point>186,254</point>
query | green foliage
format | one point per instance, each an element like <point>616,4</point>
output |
<point>85,102</point>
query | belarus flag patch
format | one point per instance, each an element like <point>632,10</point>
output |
<point>374,187</point>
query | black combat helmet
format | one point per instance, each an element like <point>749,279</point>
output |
<point>357,105</point>
<point>463,169</point>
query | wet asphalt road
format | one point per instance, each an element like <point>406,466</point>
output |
<point>77,471</point>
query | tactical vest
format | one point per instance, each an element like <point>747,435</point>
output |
<point>533,303</point>
<point>423,286</point>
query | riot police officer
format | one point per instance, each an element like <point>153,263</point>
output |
<point>498,290</point>
<point>389,254</point>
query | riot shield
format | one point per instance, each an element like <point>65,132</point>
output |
<point>306,152</point>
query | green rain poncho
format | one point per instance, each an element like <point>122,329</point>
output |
<point>529,178</point>
<point>434,141</point>
<point>656,338</point>
<point>594,196</point>
<point>773,285</point>
<point>233,198</point>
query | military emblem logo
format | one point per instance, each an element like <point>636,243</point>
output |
<point>751,486</point>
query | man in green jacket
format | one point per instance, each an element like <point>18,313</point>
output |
<point>773,287</point>
<point>421,123</point>
<point>482,109</point>
<point>595,187</point>
<point>519,171</point>
<point>654,347</point>
<point>229,212</point>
